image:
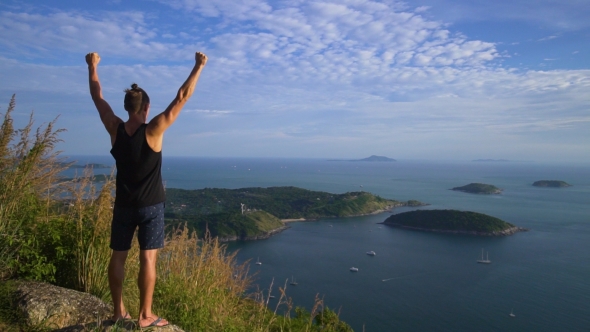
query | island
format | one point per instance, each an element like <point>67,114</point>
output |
<point>479,188</point>
<point>256,213</point>
<point>453,221</point>
<point>375,158</point>
<point>551,184</point>
<point>491,160</point>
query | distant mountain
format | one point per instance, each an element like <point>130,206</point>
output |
<point>491,160</point>
<point>374,158</point>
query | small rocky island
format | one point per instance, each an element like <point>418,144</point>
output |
<point>479,188</point>
<point>551,184</point>
<point>453,221</point>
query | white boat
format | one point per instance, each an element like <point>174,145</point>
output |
<point>512,313</point>
<point>354,269</point>
<point>371,253</point>
<point>258,262</point>
<point>484,261</point>
<point>293,282</point>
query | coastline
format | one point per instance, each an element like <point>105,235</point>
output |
<point>506,232</point>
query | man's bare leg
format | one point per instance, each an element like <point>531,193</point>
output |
<point>116,278</point>
<point>146,282</point>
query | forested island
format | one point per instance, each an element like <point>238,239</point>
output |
<point>453,221</point>
<point>479,188</point>
<point>551,184</point>
<point>253,213</point>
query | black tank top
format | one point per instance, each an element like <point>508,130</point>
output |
<point>139,177</point>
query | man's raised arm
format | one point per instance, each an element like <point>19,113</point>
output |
<point>107,116</point>
<point>162,121</point>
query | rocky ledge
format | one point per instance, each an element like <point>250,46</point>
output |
<point>50,308</point>
<point>508,231</point>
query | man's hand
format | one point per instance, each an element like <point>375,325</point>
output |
<point>201,59</point>
<point>92,59</point>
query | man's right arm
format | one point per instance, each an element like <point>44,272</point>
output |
<point>107,116</point>
<point>162,121</point>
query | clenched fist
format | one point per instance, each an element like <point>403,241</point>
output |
<point>92,59</point>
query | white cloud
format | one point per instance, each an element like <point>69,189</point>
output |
<point>117,34</point>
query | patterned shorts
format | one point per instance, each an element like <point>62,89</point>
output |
<point>149,219</point>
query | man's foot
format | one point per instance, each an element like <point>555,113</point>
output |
<point>152,321</point>
<point>126,316</point>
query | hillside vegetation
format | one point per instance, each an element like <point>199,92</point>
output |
<point>449,220</point>
<point>282,202</point>
<point>232,226</point>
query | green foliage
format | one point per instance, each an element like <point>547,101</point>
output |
<point>8,314</point>
<point>28,169</point>
<point>449,220</point>
<point>225,225</point>
<point>328,320</point>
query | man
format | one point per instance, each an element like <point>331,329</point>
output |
<point>139,203</point>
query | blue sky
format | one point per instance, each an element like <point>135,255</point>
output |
<point>422,79</point>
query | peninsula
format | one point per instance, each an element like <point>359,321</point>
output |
<point>479,188</point>
<point>453,221</point>
<point>255,213</point>
<point>551,184</point>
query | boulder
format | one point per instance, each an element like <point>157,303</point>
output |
<point>62,309</point>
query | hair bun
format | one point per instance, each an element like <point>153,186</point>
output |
<point>134,86</point>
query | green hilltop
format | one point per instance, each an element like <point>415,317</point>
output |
<point>452,221</point>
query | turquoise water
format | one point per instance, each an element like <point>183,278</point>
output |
<point>432,282</point>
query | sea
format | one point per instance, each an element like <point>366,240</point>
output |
<point>419,281</point>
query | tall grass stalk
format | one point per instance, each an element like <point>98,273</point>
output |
<point>89,216</point>
<point>29,166</point>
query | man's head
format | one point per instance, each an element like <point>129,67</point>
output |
<point>136,99</point>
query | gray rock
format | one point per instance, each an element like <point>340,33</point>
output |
<point>65,310</point>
